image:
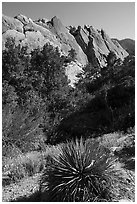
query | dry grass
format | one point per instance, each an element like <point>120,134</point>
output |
<point>24,165</point>
<point>117,140</point>
<point>80,171</point>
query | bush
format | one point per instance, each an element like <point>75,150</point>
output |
<point>111,58</point>
<point>83,172</point>
<point>24,165</point>
<point>35,83</point>
<point>21,129</point>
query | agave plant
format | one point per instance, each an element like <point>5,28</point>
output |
<point>83,172</point>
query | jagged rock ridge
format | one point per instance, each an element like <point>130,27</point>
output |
<point>127,44</point>
<point>89,44</point>
<point>96,44</point>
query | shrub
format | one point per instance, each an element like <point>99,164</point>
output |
<point>21,129</point>
<point>24,165</point>
<point>83,172</point>
<point>111,58</point>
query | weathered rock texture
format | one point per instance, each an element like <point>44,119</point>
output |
<point>89,44</point>
<point>37,33</point>
<point>96,44</point>
<point>127,44</point>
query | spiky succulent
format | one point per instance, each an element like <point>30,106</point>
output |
<point>82,172</point>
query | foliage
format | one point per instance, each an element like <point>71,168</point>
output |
<point>35,93</point>
<point>37,83</point>
<point>22,130</point>
<point>83,171</point>
<point>111,58</point>
<point>23,165</point>
<point>102,102</point>
<point>116,85</point>
<point>9,96</point>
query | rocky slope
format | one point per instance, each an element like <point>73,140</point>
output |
<point>89,44</point>
<point>96,44</point>
<point>128,45</point>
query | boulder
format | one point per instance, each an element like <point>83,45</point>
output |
<point>35,34</point>
<point>9,23</point>
<point>17,36</point>
<point>23,19</point>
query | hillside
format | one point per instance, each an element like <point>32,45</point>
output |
<point>68,113</point>
<point>89,44</point>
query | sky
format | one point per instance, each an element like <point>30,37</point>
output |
<point>116,18</point>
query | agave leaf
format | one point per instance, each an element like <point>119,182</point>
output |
<point>85,172</point>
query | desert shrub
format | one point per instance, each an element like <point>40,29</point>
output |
<point>121,145</point>
<point>34,83</point>
<point>21,129</point>
<point>115,85</point>
<point>118,140</point>
<point>124,117</point>
<point>24,165</point>
<point>83,171</point>
<point>13,167</point>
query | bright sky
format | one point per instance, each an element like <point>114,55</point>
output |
<point>116,18</point>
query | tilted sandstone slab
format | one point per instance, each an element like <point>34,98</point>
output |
<point>96,44</point>
<point>89,44</point>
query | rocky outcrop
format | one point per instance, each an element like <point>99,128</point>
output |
<point>9,23</point>
<point>35,34</point>
<point>96,45</point>
<point>43,31</point>
<point>89,44</point>
<point>127,44</point>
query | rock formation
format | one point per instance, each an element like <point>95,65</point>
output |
<point>89,44</point>
<point>127,44</point>
<point>97,44</point>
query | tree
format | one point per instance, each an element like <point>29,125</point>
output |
<point>111,58</point>
<point>37,82</point>
<point>116,85</point>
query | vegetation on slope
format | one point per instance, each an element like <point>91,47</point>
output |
<point>40,108</point>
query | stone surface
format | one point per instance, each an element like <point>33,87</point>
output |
<point>96,44</point>
<point>127,44</point>
<point>71,71</point>
<point>89,44</point>
<point>53,31</point>
<point>35,34</point>
<point>9,23</point>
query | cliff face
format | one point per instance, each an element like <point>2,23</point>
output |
<point>127,44</point>
<point>37,33</point>
<point>97,44</point>
<point>89,44</point>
